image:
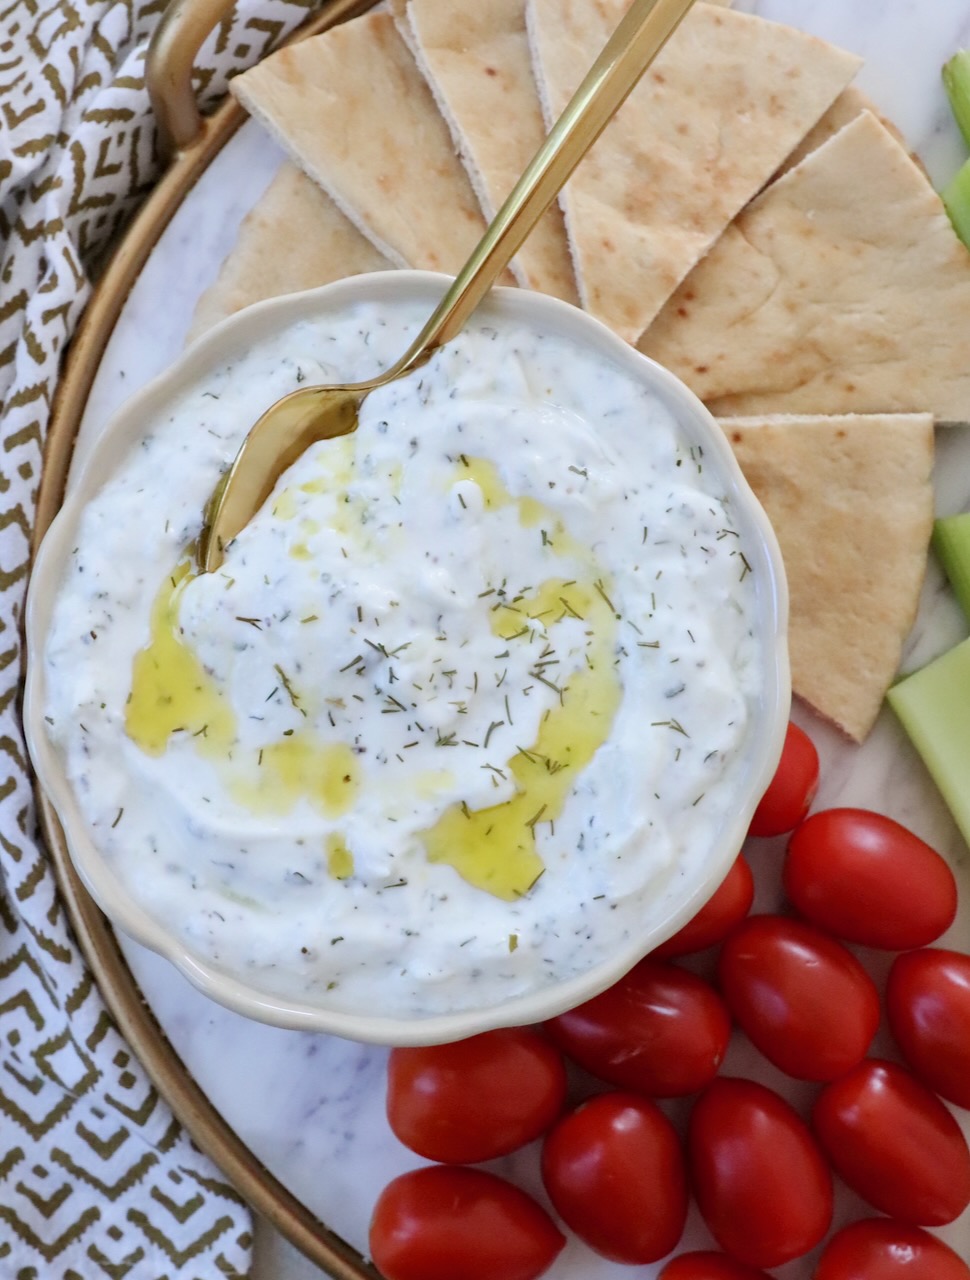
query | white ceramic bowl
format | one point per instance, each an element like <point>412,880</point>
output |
<point>685,896</point>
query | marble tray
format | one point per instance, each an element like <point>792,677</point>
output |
<point>310,1108</point>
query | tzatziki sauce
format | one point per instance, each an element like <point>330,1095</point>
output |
<point>465,700</point>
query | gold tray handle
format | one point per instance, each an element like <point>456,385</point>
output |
<point>174,47</point>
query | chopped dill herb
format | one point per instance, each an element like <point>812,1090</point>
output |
<point>601,590</point>
<point>535,817</point>
<point>290,691</point>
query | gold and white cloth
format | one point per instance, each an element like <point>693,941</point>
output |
<point>97,1179</point>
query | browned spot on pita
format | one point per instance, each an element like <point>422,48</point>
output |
<point>660,195</point>
<point>820,299</point>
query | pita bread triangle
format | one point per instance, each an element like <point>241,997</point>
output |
<point>293,238</point>
<point>354,112</point>
<point>708,125</point>
<point>841,289</point>
<point>476,59</point>
<point>850,103</point>
<point>851,501</point>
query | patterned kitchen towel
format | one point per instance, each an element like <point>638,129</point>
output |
<point>96,1177</point>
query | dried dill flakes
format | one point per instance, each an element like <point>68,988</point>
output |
<point>290,691</point>
<point>673,724</point>
<point>601,591</point>
<point>531,822</point>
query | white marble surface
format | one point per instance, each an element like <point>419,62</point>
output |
<point>311,1108</point>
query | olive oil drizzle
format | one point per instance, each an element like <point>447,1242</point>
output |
<point>495,848</point>
<point>171,693</point>
<point>340,861</point>
<point>300,767</point>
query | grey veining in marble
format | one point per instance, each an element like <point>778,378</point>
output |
<point>310,1107</point>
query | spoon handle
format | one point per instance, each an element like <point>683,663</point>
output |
<point>641,34</point>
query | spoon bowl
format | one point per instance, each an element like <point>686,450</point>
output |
<point>277,439</point>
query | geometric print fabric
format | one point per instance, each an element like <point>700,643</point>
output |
<point>97,1179</point>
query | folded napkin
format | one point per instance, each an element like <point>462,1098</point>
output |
<point>96,1177</point>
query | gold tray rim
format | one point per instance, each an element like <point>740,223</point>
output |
<point>257,1186</point>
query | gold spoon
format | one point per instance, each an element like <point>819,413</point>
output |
<point>298,420</point>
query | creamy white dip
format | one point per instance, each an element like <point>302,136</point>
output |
<point>465,699</point>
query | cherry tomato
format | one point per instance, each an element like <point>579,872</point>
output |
<point>660,1030</point>
<point>615,1172</point>
<point>928,1000</point>
<point>803,999</point>
<point>477,1098</point>
<point>895,1143</point>
<point>792,790</point>
<point>762,1184</point>
<point>443,1223</point>
<point>708,1266</point>
<point>879,1249</point>
<point>863,877</point>
<point>729,905</point>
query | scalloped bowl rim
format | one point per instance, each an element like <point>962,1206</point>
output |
<point>121,433</point>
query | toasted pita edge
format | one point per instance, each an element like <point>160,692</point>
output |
<point>293,238</point>
<point>706,336</point>
<point>626,308</point>
<point>351,57</point>
<point>842,665</point>
<point>405,24</point>
<point>241,89</point>
<point>562,274</point>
